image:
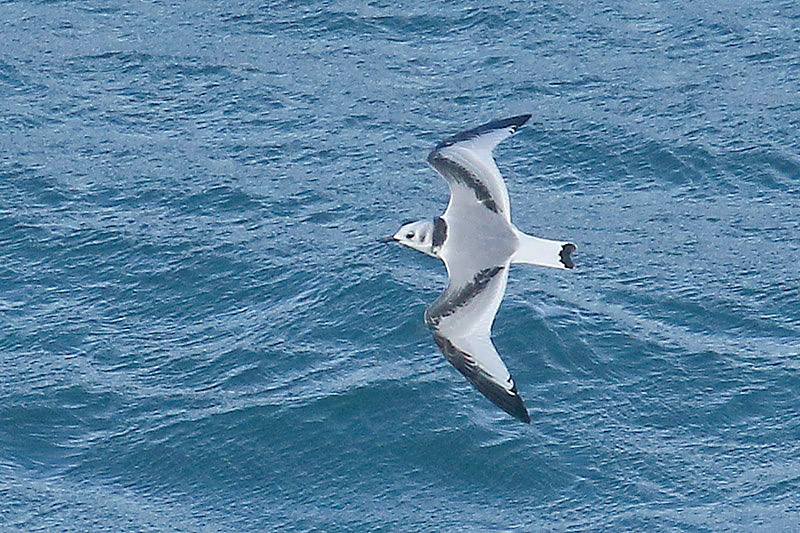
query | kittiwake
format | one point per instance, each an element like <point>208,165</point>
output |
<point>477,243</point>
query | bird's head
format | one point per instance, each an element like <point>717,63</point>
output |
<point>417,235</point>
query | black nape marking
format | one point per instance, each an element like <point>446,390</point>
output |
<point>462,175</point>
<point>508,400</point>
<point>566,255</point>
<point>439,233</point>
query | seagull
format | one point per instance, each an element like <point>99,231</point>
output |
<point>477,243</point>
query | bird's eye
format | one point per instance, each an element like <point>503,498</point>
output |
<point>410,235</point>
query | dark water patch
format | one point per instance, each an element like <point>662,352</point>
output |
<point>221,198</point>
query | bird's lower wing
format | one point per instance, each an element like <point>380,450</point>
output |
<point>461,319</point>
<point>476,358</point>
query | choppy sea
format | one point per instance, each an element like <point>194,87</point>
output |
<point>199,331</point>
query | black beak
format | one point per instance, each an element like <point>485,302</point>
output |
<point>390,238</point>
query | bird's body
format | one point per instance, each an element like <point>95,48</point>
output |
<point>477,243</point>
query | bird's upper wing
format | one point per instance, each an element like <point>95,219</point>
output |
<point>461,318</point>
<point>465,160</point>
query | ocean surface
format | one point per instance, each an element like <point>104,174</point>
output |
<point>199,331</point>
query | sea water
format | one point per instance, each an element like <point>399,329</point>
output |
<point>200,332</point>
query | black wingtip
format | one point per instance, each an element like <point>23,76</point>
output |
<point>517,408</point>
<point>515,122</point>
<point>521,415</point>
<point>519,120</point>
<point>508,400</point>
<point>512,405</point>
<point>565,256</point>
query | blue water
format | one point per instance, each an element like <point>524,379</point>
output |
<point>198,331</point>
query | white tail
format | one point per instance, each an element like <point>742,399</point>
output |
<point>542,252</point>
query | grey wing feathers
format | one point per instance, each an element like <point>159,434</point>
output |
<point>461,319</point>
<point>505,396</point>
<point>462,316</point>
<point>465,161</point>
<point>454,299</point>
<point>459,172</point>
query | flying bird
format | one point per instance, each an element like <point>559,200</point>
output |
<point>477,243</point>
